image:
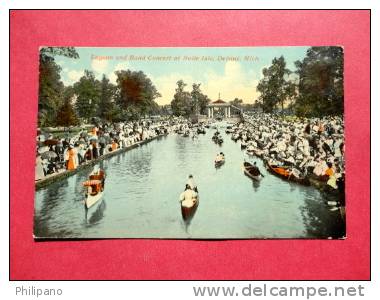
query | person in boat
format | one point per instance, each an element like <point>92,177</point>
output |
<point>295,172</point>
<point>97,171</point>
<point>188,197</point>
<point>255,170</point>
<point>219,157</point>
<point>192,183</point>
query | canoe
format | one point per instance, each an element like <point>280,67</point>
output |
<point>250,172</point>
<point>188,212</point>
<point>235,137</point>
<point>219,163</point>
<point>284,173</point>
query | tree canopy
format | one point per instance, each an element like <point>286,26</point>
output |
<point>87,91</point>
<point>50,94</point>
<point>276,86</point>
<point>186,103</point>
<point>317,87</point>
<point>320,85</point>
<point>136,91</point>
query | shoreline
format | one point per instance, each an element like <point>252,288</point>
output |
<point>59,176</point>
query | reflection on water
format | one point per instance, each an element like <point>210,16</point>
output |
<point>141,198</point>
<point>96,215</point>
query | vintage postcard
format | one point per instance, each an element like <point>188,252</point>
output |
<point>190,143</point>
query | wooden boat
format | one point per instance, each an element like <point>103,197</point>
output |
<point>95,188</point>
<point>251,172</point>
<point>284,173</point>
<point>229,130</point>
<point>235,137</point>
<point>219,163</point>
<point>201,131</point>
<point>188,212</point>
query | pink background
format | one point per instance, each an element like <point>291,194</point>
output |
<point>169,259</point>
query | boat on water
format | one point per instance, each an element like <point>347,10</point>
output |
<point>219,160</point>
<point>235,137</point>
<point>94,188</point>
<point>189,207</point>
<point>229,130</point>
<point>201,130</point>
<point>285,172</point>
<point>252,171</point>
<point>219,163</point>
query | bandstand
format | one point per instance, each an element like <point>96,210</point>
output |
<point>219,108</point>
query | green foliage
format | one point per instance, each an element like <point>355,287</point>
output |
<point>48,53</point>
<point>136,93</point>
<point>182,101</point>
<point>187,104</point>
<point>87,90</point>
<point>199,101</point>
<point>320,82</point>
<point>237,102</point>
<point>51,88</point>
<point>66,115</point>
<point>275,88</point>
<point>107,108</point>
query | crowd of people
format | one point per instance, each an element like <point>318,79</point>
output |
<point>56,155</point>
<point>312,146</point>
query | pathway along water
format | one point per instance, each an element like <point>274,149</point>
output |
<point>143,186</point>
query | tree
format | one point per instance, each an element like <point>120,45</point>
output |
<point>182,101</point>
<point>66,115</point>
<point>87,90</point>
<point>199,100</point>
<point>107,108</point>
<point>275,87</point>
<point>237,102</point>
<point>136,92</point>
<point>50,85</point>
<point>320,86</point>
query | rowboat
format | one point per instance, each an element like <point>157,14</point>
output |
<point>201,130</point>
<point>235,137</point>
<point>219,163</point>
<point>189,211</point>
<point>284,172</point>
<point>94,188</point>
<point>251,171</point>
<point>229,130</point>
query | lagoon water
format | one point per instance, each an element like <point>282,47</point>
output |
<point>141,198</point>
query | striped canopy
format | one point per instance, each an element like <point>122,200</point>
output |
<point>91,182</point>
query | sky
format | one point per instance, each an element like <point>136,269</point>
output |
<point>232,72</point>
